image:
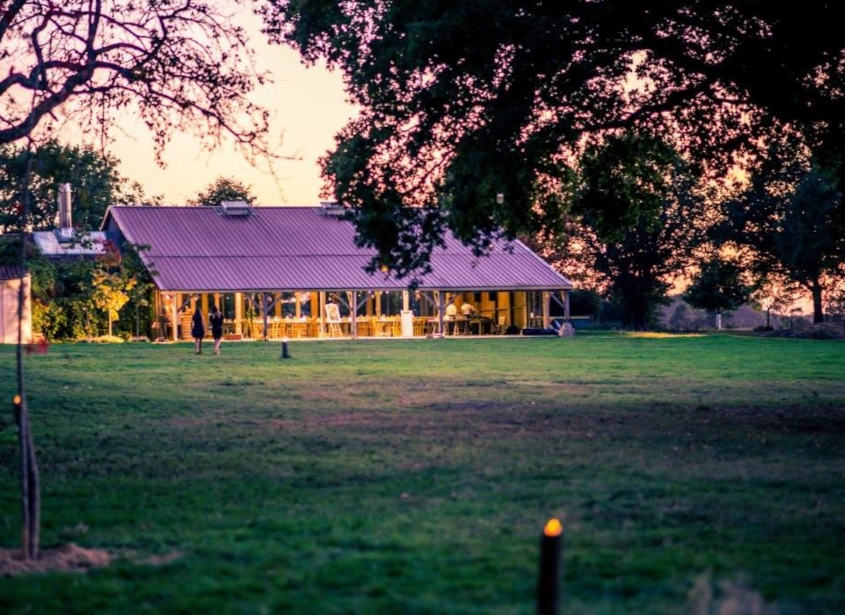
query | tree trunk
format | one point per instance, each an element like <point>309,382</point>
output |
<point>264,314</point>
<point>718,321</point>
<point>816,289</point>
<point>30,483</point>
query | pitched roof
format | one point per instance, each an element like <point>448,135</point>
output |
<point>11,272</point>
<point>299,248</point>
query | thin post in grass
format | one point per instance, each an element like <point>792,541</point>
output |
<point>548,582</point>
<point>285,354</point>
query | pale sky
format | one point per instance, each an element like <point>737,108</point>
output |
<point>308,107</point>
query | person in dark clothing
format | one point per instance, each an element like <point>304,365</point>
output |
<point>215,319</point>
<point>197,330</point>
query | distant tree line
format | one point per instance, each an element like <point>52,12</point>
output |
<point>639,217</point>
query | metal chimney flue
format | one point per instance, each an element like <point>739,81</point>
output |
<point>65,216</point>
<point>65,231</point>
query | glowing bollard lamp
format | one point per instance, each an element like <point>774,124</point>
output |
<point>548,583</point>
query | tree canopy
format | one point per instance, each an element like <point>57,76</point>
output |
<point>175,64</point>
<point>718,287</point>
<point>224,189</point>
<point>466,107</point>
<point>94,177</point>
<point>786,221</point>
<point>634,206</point>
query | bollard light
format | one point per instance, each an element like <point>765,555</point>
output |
<point>548,582</point>
<point>285,354</point>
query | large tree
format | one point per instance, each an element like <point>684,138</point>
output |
<point>718,287</point>
<point>786,221</point>
<point>466,106</point>
<point>634,221</point>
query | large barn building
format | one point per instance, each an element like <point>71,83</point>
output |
<point>296,272</point>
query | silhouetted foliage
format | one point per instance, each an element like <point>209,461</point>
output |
<point>467,109</point>
<point>174,65</point>
<point>718,288</point>
<point>94,178</point>
<point>585,303</point>
<point>224,189</point>
<point>633,212</point>
<point>787,220</point>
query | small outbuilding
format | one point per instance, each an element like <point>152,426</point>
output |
<point>11,278</point>
<point>297,272</point>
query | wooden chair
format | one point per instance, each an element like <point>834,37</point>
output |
<point>278,329</point>
<point>364,327</point>
<point>297,329</point>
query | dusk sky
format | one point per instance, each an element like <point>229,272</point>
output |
<point>309,107</point>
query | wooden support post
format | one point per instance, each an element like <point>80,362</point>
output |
<point>297,305</point>
<point>378,303</point>
<point>205,311</point>
<point>315,306</point>
<point>441,312</point>
<point>174,316</point>
<point>322,312</point>
<point>406,300</point>
<point>547,321</point>
<point>566,305</point>
<point>353,307</point>
<point>524,309</point>
<point>239,312</point>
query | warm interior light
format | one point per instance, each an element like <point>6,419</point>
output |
<point>16,400</point>
<point>553,528</point>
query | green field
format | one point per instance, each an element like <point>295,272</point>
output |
<point>415,476</point>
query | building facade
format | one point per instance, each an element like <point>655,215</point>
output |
<point>296,272</point>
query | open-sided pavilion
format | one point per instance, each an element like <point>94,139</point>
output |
<point>296,272</point>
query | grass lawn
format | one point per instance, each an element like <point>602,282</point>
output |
<point>415,476</point>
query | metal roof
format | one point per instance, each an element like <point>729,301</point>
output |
<point>11,272</point>
<point>89,243</point>
<point>299,248</point>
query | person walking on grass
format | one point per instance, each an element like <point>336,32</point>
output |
<point>215,319</point>
<point>197,330</point>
